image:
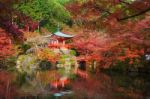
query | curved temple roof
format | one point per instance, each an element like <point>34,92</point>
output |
<point>58,33</point>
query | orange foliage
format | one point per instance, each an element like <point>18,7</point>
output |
<point>131,54</point>
<point>29,34</point>
<point>46,54</point>
<point>6,47</point>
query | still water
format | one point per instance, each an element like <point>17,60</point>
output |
<point>98,86</point>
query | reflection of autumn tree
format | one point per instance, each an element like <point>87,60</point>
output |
<point>93,88</point>
<point>102,86</point>
<point>7,90</point>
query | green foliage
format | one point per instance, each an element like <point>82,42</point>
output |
<point>45,65</point>
<point>121,65</point>
<point>129,1</point>
<point>66,59</point>
<point>27,64</point>
<point>21,79</point>
<point>63,2</point>
<point>72,76</point>
<point>8,63</point>
<point>63,58</point>
<point>25,47</point>
<point>79,1</point>
<point>52,11</point>
<point>61,71</point>
<point>134,67</point>
<point>72,52</point>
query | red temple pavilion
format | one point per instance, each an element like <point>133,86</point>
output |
<point>58,40</point>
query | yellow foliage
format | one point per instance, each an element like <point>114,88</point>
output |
<point>47,54</point>
<point>30,34</point>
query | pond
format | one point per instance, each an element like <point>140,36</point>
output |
<point>98,86</point>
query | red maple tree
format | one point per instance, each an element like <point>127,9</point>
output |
<point>6,47</point>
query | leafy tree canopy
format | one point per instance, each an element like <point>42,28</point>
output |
<point>48,12</point>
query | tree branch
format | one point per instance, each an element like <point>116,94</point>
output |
<point>132,16</point>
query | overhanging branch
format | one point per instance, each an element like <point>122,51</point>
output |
<point>132,16</point>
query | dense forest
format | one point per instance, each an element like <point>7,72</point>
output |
<point>117,30</point>
<point>100,34</point>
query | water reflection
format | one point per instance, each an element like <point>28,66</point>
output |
<point>113,86</point>
<point>7,87</point>
<point>100,86</point>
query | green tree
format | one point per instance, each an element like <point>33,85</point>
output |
<point>48,12</point>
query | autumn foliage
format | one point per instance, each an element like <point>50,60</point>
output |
<point>108,30</point>
<point>124,24</point>
<point>6,47</point>
<point>47,54</point>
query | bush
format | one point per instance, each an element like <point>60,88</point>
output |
<point>8,63</point>
<point>45,65</point>
<point>25,47</point>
